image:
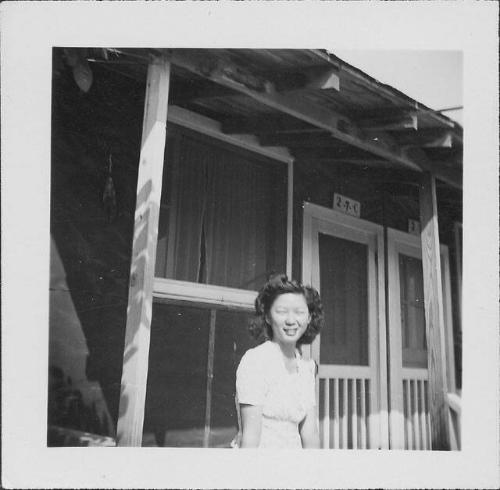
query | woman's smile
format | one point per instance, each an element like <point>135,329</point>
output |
<point>291,331</point>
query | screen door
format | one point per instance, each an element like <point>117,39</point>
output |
<point>409,399</point>
<point>343,259</point>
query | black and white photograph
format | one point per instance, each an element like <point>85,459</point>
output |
<point>252,254</point>
<point>185,181</point>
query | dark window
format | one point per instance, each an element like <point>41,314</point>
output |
<point>413,338</point>
<point>193,357</point>
<point>223,215</point>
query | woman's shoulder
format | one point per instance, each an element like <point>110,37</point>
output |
<point>257,355</point>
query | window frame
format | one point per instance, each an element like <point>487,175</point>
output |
<point>164,289</point>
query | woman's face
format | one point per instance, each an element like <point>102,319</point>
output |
<point>289,318</point>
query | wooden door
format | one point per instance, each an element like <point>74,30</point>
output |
<point>343,259</point>
<point>408,358</point>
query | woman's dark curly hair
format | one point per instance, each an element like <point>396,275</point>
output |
<point>277,285</point>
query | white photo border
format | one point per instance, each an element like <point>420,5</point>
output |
<point>29,30</point>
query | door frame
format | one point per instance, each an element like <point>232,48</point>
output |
<point>411,245</point>
<point>314,218</point>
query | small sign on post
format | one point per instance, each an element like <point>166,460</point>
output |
<point>414,227</point>
<point>346,205</point>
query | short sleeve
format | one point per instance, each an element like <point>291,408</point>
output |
<point>250,384</point>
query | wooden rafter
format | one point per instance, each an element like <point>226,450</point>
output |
<point>212,128</point>
<point>395,123</point>
<point>431,138</point>
<point>189,90</point>
<point>452,176</point>
<point>299,140</point>
<point>351,162</point>
<point>314,78</point>
<point>269,123</point>
<point>450,157</point>
<point>331,154</point>
<point>263,91</point>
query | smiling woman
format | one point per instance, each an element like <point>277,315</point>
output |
<point>289,318</point>
<point>275,386</point>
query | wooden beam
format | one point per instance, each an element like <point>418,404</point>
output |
<point>360,162</point>
<point>333,153</point>
<point>264,92</point>
<point>183,93</point>
<point>140,299</point>
<point>426,138</point>
<point>434,315</point>
<point>209,127</point>
<point>269,123</point>
<point>449,157</point>
<point>319,139</point>
<point>323,79</point>
<point>382,138</point>
<point>443,141</point>
<point>398,123</point>
<point>313,78</point>
<point>452,176</point>
<point>299,140</point>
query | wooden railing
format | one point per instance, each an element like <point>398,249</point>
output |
<point>344,412</point>
<point>455,404</point>
<point>416,413</point>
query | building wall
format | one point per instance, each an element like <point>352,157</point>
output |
<point>389,198</point>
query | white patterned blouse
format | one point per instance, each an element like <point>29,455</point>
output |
<point>262,379</point>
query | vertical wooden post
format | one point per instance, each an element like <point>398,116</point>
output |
<point>210,378</point>
<point>140,299</point>
<point>434,316</point>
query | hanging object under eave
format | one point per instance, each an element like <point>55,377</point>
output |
<point>76,59</point>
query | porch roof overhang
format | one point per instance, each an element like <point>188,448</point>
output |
<point>310,102</point>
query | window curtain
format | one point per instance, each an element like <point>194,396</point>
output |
<point>224,217</point>
<point>184,212</point>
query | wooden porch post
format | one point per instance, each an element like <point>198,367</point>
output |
<point>140,299</point>
<point>434,316</point>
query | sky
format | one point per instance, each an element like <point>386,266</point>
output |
<point>434,78</point>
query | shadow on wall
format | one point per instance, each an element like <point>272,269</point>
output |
<point>137,308</point>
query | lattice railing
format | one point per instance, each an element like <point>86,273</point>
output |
<point>344,412</point>
<point>417,427</point>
